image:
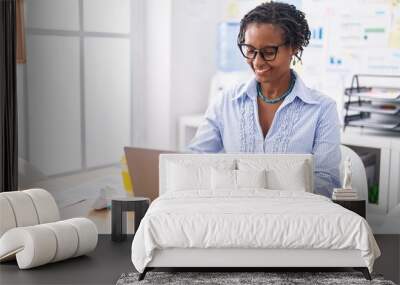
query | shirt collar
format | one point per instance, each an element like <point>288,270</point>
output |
<point>300,90</point>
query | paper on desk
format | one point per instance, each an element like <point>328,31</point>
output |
<point>88,190</point>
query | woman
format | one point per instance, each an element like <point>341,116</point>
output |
<point>275,112</point>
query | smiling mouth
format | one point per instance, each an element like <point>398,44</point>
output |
<point>260,71</point>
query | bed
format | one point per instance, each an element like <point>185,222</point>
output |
<point>247,210</point>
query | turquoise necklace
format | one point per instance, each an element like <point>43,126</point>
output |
<point>284,95</point>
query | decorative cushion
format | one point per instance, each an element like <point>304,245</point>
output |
<point>27,208</point>
<point>7,215</point>
<point>23,208</point>
<point>30,232</point>
<point>188,175</point>
<point>251,178</point>
<point>282,174</point>
<point>32,246</point>
<point>67,237</point>
<point>40,244</point>
<point>292,179</point>
<point>45,205</point>
<point>223,179</point>
<point>87,233</point>
<point>227,179</point>
<point>181,177</point>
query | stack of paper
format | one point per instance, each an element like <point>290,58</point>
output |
<point>344,194</point>
<point>381,93</point>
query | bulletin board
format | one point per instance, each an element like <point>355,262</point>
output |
<point>350,37</point>
<point>347,37</point>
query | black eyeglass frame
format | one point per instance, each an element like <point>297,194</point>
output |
<point>260,51</point>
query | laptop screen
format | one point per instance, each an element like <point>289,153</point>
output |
<point>143,170</point>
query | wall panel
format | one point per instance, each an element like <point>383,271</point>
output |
<point>53,95</point>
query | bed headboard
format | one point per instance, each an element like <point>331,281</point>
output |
<point>280,161</point>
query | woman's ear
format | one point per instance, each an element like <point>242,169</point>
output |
<point>294,51</point>
<point>295,58</point>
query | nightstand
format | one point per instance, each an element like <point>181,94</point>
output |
<point>357,206</point>
<point>118,216</point>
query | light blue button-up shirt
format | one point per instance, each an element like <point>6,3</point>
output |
<point>305,122</point>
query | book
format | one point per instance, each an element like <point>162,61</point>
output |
<point>345,194</point>
<point>344,198</point>
<point>342,190</point>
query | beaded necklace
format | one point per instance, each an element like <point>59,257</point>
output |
<point>284,95</point>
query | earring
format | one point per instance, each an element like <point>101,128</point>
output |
<point>294,61</point>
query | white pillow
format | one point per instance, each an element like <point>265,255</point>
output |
<point>193,173</point>
<point>251,178</point>
<point>281,173</point>
<point>223,179</point>
<point>293,178</point>
<point>228,179</point>
<point>185,177</point>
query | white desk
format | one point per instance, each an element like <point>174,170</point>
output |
<point>187,129</point>
<point>384,217</point>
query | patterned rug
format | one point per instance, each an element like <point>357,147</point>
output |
<point>243,278</point>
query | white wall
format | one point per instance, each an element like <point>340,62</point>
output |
<point>138,85</point>
<point>180,45</point>
<point>107,99</point>
<point>54,103</point>
<point>54,14</point>
<point>193,54</point>
<point>107,16</point>
<point>157,69</point>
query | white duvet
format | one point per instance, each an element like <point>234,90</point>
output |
<point>250,219</point>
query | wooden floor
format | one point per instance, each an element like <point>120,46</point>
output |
<point>111,259</point>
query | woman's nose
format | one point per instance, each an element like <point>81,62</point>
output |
<point>258,60</point>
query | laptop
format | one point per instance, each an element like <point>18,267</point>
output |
<point>143,170</point>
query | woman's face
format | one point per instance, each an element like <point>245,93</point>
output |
<point>263,35</point>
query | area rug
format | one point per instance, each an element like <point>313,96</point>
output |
<point>243,278</point>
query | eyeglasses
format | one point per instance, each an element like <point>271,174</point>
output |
<point>267,53</point>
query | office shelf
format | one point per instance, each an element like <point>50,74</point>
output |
<point>371,107</point>
<point>375,107</point>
